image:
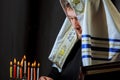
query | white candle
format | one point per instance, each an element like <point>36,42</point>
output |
<point>24,65</point>
<point>18,69</point>
<point>38,71</point>
<point>31,76</point>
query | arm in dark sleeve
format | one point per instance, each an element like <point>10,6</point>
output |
<point>55,74</point>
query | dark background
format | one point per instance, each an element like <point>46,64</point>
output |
<point>28,27</point>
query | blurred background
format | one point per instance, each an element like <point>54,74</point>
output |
<point>28,27</point>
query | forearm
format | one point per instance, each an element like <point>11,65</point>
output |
<point>54,74</point>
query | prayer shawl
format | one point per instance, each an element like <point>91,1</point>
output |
<point>100,32</point>
<point>99,20</point>
<point>64,42</point>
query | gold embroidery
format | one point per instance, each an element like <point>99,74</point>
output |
<point>78,5</point>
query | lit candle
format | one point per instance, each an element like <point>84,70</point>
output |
<point>38,66</point>
<point>18,69</point>
<point>11,69</point>
<point>15,67</point>
<point>24,66</point>
<point>21,65</point>
<point>31,76</point>
<point>28,76</point>
<point>34,71</point>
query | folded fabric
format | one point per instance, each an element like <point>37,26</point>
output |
<point>99,20</point>
<point>100,32</point>
<point>64,42</point>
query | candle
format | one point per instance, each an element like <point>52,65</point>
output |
<point>15,67</point>
<point>34,71</point>
<point>24,66</point>
<point>18,69</point>
<point>11,70</point>
<point>28,76</point>
<point>38,71</point>
<point>21,65</point>
<point>31,76</point>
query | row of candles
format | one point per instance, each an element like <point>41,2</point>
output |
<point>23,70</point>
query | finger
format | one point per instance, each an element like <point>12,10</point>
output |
<point>42,78</point>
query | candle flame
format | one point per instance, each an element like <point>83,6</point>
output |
<point>15,61</point>
<point>24,57</point>
<point>38,64</point>
<point>18,63</point>
<point>21,63</point>
<point>34,63</point>
<point>10,62</point>
<point>28,63</point>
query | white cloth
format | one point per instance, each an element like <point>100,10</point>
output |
<point>64,42</point>
<point>100,32</point>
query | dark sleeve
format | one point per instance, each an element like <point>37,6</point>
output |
<point>55,74</point>
<point>75,50</point>
<point>72,58</point>
<point>117,4</point>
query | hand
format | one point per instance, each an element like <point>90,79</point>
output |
<point>45,78</point>
<point>81,74</point>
